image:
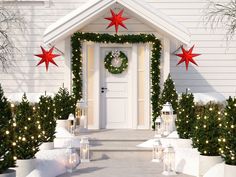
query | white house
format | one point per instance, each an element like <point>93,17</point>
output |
<point>125,101</point>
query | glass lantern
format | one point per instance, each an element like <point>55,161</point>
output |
<point>157,152</point>
<point>72,159</point>
<point>71,123</point>
<point>169,161</point>
<point>84,149</point>
<point>168,118</point>
<point>81,114</point>
<point>158,127</point>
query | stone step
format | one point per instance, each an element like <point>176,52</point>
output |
<point>118,149</point>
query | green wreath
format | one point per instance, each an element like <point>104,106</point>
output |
<point>116,55</point>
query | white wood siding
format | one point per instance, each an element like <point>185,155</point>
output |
<point>217,64</point>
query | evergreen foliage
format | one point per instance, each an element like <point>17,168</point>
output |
<point>45,115</point>
<point>228,139</point>
<point>169,94</point>
<point>6,151</point>
<point>121,39</point>
<point>27,130</point>
<point>64,104</point>
<point>185,116</point>
<point>207,129</point>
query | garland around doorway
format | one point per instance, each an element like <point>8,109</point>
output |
<point>76,42</point>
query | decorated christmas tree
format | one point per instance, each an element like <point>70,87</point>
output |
<point>64,104</point>
<point>6,139</point>
<point>228,139</point>
<point>169,94</point>
<point>27,130</point>
<point>207,129</point>
<point>185,116</point>
<point>45,115</point>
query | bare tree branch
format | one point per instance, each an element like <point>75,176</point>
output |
<point>9,18</point>
<point>225,14</point>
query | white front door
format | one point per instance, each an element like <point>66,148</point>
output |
<point>114,95</point>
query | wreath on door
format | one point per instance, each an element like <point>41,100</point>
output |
<point>116,62</point>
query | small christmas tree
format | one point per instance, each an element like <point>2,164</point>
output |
<point>6,139</point>
<point>45,114</point>
<point>228,139</point>
<point>27,130</point>
<point>64,104</point>
<point>169,94</point>
<point>185,116</point>
<point>207,129</point>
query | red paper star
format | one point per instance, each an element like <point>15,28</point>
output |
<point>187,56</point>
<point>117,20</point>
<point>47,57</point>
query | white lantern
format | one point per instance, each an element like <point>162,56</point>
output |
<point>81,110</point>
<point>84,149</point>
<point>72,159</point>
<point>71,121</point>
<point>157,152</point>
<point>158,127</point>
<point>168,118</point>
<point>169,161</point>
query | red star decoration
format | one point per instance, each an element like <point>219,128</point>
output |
<point>47,57</point>
<point>117,20</point>
<point>187,56</point>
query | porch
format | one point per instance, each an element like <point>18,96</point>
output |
<point>114,154</point>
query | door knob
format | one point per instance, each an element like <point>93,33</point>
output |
<point>103,88</point>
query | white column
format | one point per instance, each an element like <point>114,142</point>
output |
<point>147,102</point>
<point>68,69</point>
<point>97,88</point>
<point>133,90</point>
<point>166,58</point>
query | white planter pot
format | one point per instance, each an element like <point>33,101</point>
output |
<point>206,162</point>
<point>184,143</point>
<point>9,173</point>
<point>24,167</point>
<point>62,124</point>
<point>46,146</point>
<point>230,170</point>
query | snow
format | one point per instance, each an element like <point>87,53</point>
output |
<point>216,171</point>
<point>210,96</point>
<point>50,163</point>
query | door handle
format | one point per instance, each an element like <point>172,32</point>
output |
<point>103,88</point>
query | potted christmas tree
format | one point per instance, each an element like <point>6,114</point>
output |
<point>64,105</point>
<point>27,135</point>
<point>207,130</point>
<point>186,118</point>
<point>228,139</point>
<point>45,115</point>
<point>6,139</point>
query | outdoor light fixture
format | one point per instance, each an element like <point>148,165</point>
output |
<point>72,123</point>
<point>157,152</point>
<point>169,161</point>
<point>72,159</point>
<point>81,114</point>
<point>84,149</point>
<point>168,118</point>
<point>158,127</point>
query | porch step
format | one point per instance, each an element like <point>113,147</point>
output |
<point>118,149</point>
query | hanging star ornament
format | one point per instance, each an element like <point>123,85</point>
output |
<point>117,20</point>
<point>47,57</point>
<point>187,56</point>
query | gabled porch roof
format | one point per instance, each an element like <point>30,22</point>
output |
<point>85,14</point>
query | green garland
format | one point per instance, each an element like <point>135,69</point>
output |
<point>76,41</point>
<point>113,69</point>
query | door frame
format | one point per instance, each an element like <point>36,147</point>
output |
<point>132,79</point>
